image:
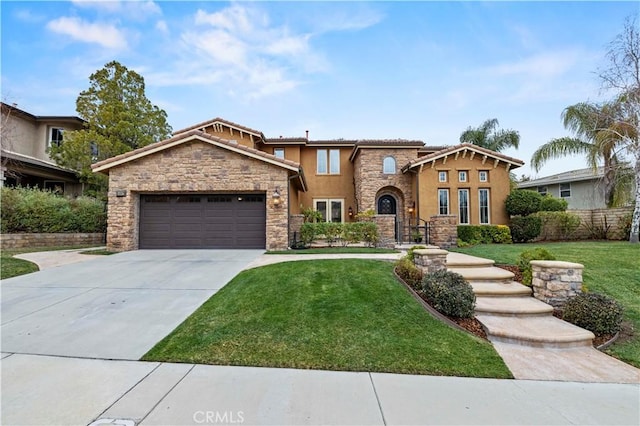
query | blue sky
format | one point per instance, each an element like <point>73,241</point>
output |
<point>412,70</point>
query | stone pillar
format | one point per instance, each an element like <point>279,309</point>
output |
<point>443,231</point>
<point>554,282</point>
<point>430,260</point>
<point>386,230</point>
<point>295,223</point>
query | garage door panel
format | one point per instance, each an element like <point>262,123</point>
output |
<point>203,221</point>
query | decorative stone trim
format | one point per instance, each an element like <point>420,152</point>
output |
<point>554,282</point>
<point>430,260</point>
<point>14,241</point>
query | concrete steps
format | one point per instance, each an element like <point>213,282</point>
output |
<point>483,274</point>
<point>500,289</point>
<point>512,306</point>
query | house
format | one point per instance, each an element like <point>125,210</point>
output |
<point>219,184</point>
<point>582,189</point>
<point>26,139</point>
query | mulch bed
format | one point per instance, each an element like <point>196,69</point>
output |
<point>599,340</point>
<point>472,325</point>
<point>514,269</point>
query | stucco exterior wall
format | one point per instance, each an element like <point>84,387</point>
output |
<point>498,185</point>
<point>193,167</point>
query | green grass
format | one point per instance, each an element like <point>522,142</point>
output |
<point>335,250</point>
<point>99,252</point>
<point>12,267</point>
<point>345,314</point>
<point>611,268</point>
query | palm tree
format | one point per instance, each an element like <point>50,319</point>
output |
<point>590,124</point>
<point>488,136</point>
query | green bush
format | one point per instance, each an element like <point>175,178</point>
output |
<point>307,233</point>
<point>411,274</point>
<point>525,228</point>
<point>370,233</point>
<point>38,211</point>
<point>350,232</point>
<point>625,225</point>
<point>410,253</point>
<point>522,202</point>
<point>526,257</point>
<point>332,232</point>
<point>449,294</point>
<point>597,313</point>
<point>484,234</point>
<point>550,203</point>
<point>558,224</point>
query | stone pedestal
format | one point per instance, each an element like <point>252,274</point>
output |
<point>554,282</point>
<point>295,223</point>
<point>386,230</point>
<point>443,231</point>
<point>430,260</point>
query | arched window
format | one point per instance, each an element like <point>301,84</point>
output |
<point>389,166</point>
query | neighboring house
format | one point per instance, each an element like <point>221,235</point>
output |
<point>26,139</point>
<point>582,188</point>
<point>219,184</point>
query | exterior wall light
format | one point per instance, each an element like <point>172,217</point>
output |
<point>276,196</point>
<point>412,207</point>
<point>350,211</point>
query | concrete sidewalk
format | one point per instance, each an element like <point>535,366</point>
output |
<point>52,390</point>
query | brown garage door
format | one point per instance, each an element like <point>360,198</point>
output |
<point>203,221</point>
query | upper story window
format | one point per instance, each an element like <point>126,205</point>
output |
<point>55,136</point>
<point>483,176</point>
<point>389,166</point>
<point>565,190</point>
<point>328,161</point>
<point>442,176</point>
<point>279,152</point>
<point>462,176</point>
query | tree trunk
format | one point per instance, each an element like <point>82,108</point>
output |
<point>635,219</point>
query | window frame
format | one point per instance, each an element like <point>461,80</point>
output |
<point>542,190</point>
<point>487,207</point>
<point>486,176</point>
<point>448,202</point>
<point>334,162</point>
<point>331,163</point>
<point>276,151</point>
<point>325,155</point>
<point>462,179</point>
<point>389,167</point>
<point>460,211</point>
<point>50,140</point>
<point>564,190</point>
<point>442,173</point>
<point>329,202</point>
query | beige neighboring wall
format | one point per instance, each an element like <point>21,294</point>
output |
<point>192,167</point>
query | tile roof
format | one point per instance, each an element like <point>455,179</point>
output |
<point>176,140</point>
<point>219,120</point>
<point>453,149</point>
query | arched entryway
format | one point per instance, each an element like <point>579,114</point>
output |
<point>387,204</point>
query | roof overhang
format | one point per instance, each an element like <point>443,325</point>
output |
<point>384,145</point>
<point>17,160</point>
<point>463,150</point>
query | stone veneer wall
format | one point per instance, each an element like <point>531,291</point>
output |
<point>295,223</point>
<point>554,282</point>
<point>369,179</point>
<point>430,260</point>
<point>13,241</point>
<point>189,168</point>
<point>443,231</point>
<point>386,230</point>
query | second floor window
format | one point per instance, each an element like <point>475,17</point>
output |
<point>442,176</point>
<point>328,161</point>
<point>389,166</point>
<point>462,176</point>
<point>279,152</point>
<point>55,136</point>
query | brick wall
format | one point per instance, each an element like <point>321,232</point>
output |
<point>13,241</point>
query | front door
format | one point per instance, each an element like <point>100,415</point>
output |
<point>387,205</point>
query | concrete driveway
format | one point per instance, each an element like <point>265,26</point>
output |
<point>112,307</point>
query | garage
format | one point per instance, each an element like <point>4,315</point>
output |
<point>191,221</point>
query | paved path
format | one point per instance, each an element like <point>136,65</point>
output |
<point>53,259</point>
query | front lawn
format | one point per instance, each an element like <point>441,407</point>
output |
<point>345,314</point>
<point>12,267</point>
<point>611,268</point>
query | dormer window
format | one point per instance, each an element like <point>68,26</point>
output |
<point>389,166</point>
<point>55,136</point>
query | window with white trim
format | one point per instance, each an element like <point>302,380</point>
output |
<point>389,166</point>
<point>462,176</point>
<point>279,152</point>
<point>443,201</point>
<point>483,204</point>
<point>542,190</point>
<point>56,136</point>
<point>328,161</point>
<point>442,176</point>
<point>565,190</point>
<point>463,206</point>
<point>332,210</point>
<point>483,176</point>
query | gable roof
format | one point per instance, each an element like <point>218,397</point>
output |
<point>464,148</point>
<point>384,143</point>
<point>564,177</point>
<point>194,135</point>
<point>222,121</point>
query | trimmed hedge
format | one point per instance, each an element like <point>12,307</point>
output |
<point>525,228</point>
<point>31,210</point>
<point>524,262</point>
<point>343,233</point>
<point>558,224</point>
<point>550,203</point>
<point>597,313</point>
<point>484,234</point>
<point>523,202</point>
<point>449,294</point>
<point>409,272</point>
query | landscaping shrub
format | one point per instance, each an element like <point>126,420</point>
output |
<point>410,255</point>
<point>409,272</point>
<point>525,228</point>
<point>370,233</point>
<point>522,202</point>
<point>484,234</point>
<point>307,233</point>
<point>38,211</point>
<point>332,232</point>
<point>346,233</point>
<point>526,257</point>
<point>558,224</point>
<point>553,204</point>
<point>597,313</point>
<point>625,225</point>
<point>449,294</point>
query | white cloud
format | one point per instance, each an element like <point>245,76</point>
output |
<point>162,26</point>
<point>548,64</point>
<point>105,35</point>
<point>138,10</point>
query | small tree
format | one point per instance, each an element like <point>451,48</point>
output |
<point>523,202</point>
